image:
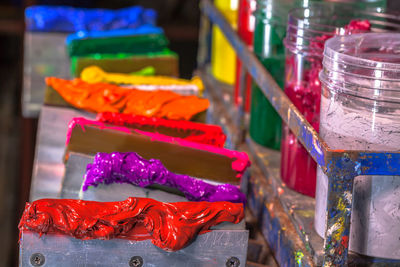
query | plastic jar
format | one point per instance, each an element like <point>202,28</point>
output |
<point>246,25</point>
<point>270,30</point>
<point>308,29</point>
<point>360,109</point>
<point>223,57</point>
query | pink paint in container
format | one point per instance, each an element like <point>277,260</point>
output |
<point>308,30</point>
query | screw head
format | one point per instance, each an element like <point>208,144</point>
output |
<point>37,259</point>
<point>233,262</point>
<point>136,261</point>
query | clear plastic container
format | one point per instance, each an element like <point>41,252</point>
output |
<point>360,109</point>
<point>223,58</point>
<point>308,29</point>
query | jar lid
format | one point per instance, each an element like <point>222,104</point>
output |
<point>378,51</point>
<point>308,28</point>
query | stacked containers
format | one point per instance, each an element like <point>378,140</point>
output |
<point>246,24</point>
<point>271,18</point>
<point>223,59</point>
<point>308,29</point>
<point>360,108</point>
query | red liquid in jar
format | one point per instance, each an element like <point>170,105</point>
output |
<point>246,26</point>
<point>298,169</point>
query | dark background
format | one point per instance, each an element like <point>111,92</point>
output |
<point>180,20</point>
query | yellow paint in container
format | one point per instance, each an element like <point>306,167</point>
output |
<point>223,58</point>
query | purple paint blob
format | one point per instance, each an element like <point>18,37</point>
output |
<point>131,168</point>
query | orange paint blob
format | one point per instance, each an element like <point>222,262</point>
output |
<point>104,97</point>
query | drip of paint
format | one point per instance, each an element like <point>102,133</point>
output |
<point>240,159</point>
<point>146,71</point>
<point>94,74</point>
<point>108,168</point>
<point>82,122</point>
<point>197,132</point>
<point>104,97</point>
<point>170,226</point>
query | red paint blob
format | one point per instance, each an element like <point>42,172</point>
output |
<point>196,132</point>
<point>345,241</point>
<point>170,226</point>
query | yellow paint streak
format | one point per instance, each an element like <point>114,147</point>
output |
<point>306,213</point>
<point>340,222</point>
<point>337,235</point>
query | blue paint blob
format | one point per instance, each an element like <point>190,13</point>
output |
<point>70,19</point>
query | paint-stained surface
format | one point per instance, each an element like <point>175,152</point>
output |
<point>341,166</point>
<point>271,202</point>
<point>299,209</point>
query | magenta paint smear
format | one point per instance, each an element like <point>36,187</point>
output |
<point>116,167</point>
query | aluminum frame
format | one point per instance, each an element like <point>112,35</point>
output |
<point>216,248</point>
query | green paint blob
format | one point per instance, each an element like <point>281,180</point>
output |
<point>137,44</point>
<point>124,62</point>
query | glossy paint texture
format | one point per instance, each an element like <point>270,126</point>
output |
<point>108,168</point>
<point>196,132</point>
<point>103,97</point>
<point>170,226</point>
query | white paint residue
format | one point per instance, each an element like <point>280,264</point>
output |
<point>375,224</point>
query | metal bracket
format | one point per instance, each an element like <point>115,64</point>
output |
<point>216,248</point>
